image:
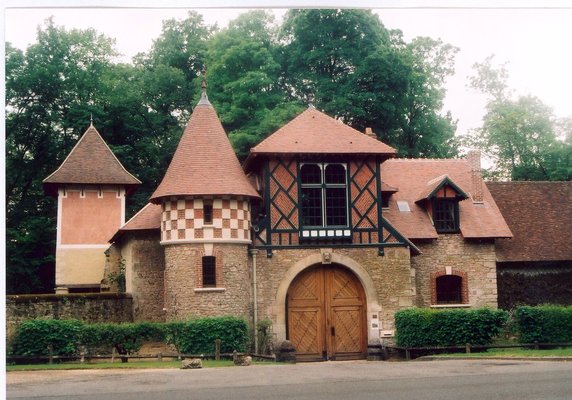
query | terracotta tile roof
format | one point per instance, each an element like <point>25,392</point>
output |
<point>146,219</point>
<point>91,161</point>
<point>539,215</point>
<point>149,217</point>
<point>204,162</point>
<point>437,183</point>
<point>412,177</point>
<point>313,132</point>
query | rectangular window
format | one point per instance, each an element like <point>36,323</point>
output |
<point>446,215</point>
<point>209,271</point>
<point>207,213</point>
<point>323,195</point>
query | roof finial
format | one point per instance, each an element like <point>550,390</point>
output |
<point>204,99</point>
<point>91,119</point>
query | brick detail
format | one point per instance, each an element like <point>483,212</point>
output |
<point>182,219</point>
<point>464,285</point>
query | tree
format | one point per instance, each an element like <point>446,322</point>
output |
<point>349,65</point>
<point>243,77</point>
<point>50,93</point>
<point>522,135</point>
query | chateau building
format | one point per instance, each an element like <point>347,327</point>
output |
<point>322,230</point>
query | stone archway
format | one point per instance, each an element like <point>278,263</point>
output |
<point>373,308</point>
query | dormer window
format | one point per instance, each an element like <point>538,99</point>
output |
<point>441,198</point>
<point>446,215</point>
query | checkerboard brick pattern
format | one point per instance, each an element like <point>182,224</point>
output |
<point>182,219</point>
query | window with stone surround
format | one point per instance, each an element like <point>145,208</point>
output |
<point>449,288</point>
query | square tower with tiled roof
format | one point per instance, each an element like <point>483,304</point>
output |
<point>90,186</point>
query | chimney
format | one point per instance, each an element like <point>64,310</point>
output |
<point>474,159</point>
<point>369,132</point>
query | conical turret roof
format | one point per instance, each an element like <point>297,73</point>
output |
<point>91,161</point>
<point>204,163</point>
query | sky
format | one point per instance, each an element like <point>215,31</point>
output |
<point>533,41</point>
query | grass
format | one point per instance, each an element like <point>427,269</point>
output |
<point>115,365</point>
<point>515,352</point>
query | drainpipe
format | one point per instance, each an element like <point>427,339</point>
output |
<point>253,253</point>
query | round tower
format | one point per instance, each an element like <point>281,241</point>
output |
<point>205,200</point>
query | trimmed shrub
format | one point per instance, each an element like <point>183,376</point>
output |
<point>34,337</point>
<point>200,334</point>
<point>428,328</point>
<point>544,324</point>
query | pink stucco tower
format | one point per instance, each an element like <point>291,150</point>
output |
<point>90,186</point>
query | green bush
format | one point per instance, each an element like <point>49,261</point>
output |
<point>544,324</point>
<point>200,334</point>
<point>427,328</point>
<point>34,337</point>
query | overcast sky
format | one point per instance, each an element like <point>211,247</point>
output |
<point>536,42</point>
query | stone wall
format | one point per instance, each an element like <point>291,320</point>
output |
<point>472,259</point>
<point>87,307</point>
<point>145,267</point>
<point>185,298</point>
<point>387,281</point>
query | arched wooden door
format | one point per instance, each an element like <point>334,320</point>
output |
<point>326,314</point>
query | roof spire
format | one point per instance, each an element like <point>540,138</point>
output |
<point>91,119</point>
<point>204,98</point>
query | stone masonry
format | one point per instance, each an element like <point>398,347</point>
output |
<point>183,297</point>
<point>388,279</point>
<point>475,259</point>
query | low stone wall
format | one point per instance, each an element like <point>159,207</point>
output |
<point>87,307</point>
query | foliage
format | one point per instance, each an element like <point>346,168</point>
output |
<point>118,277</point>
<point>66,336</point>
<point>264,328</point>
<point>200,335</point>
<point>243,78</point>
<point>175,334</point>
<point>544,324</point>
<point>522,135</point>
<point>260,75</point>
<point>349,65</point>
<point>426,327</point>
<point>34,337</point>
<point>517,289</point>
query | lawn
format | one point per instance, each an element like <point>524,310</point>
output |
<point>515,352</point>
<point>108,365</point>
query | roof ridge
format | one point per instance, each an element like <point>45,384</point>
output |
<point>91,130</point>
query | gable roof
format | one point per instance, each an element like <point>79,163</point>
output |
<point>204,162</point>
<point>313,132</point>
<point>539,215</point>
<point>434,185</point>
<point>415,177</point>
<point>91,161</point>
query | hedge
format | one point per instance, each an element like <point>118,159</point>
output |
<point>544,324</point>
<point>67,337</point>
<point>418,327</point>
<point>34,337</point>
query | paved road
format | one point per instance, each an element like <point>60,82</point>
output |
<point>357,380</point>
